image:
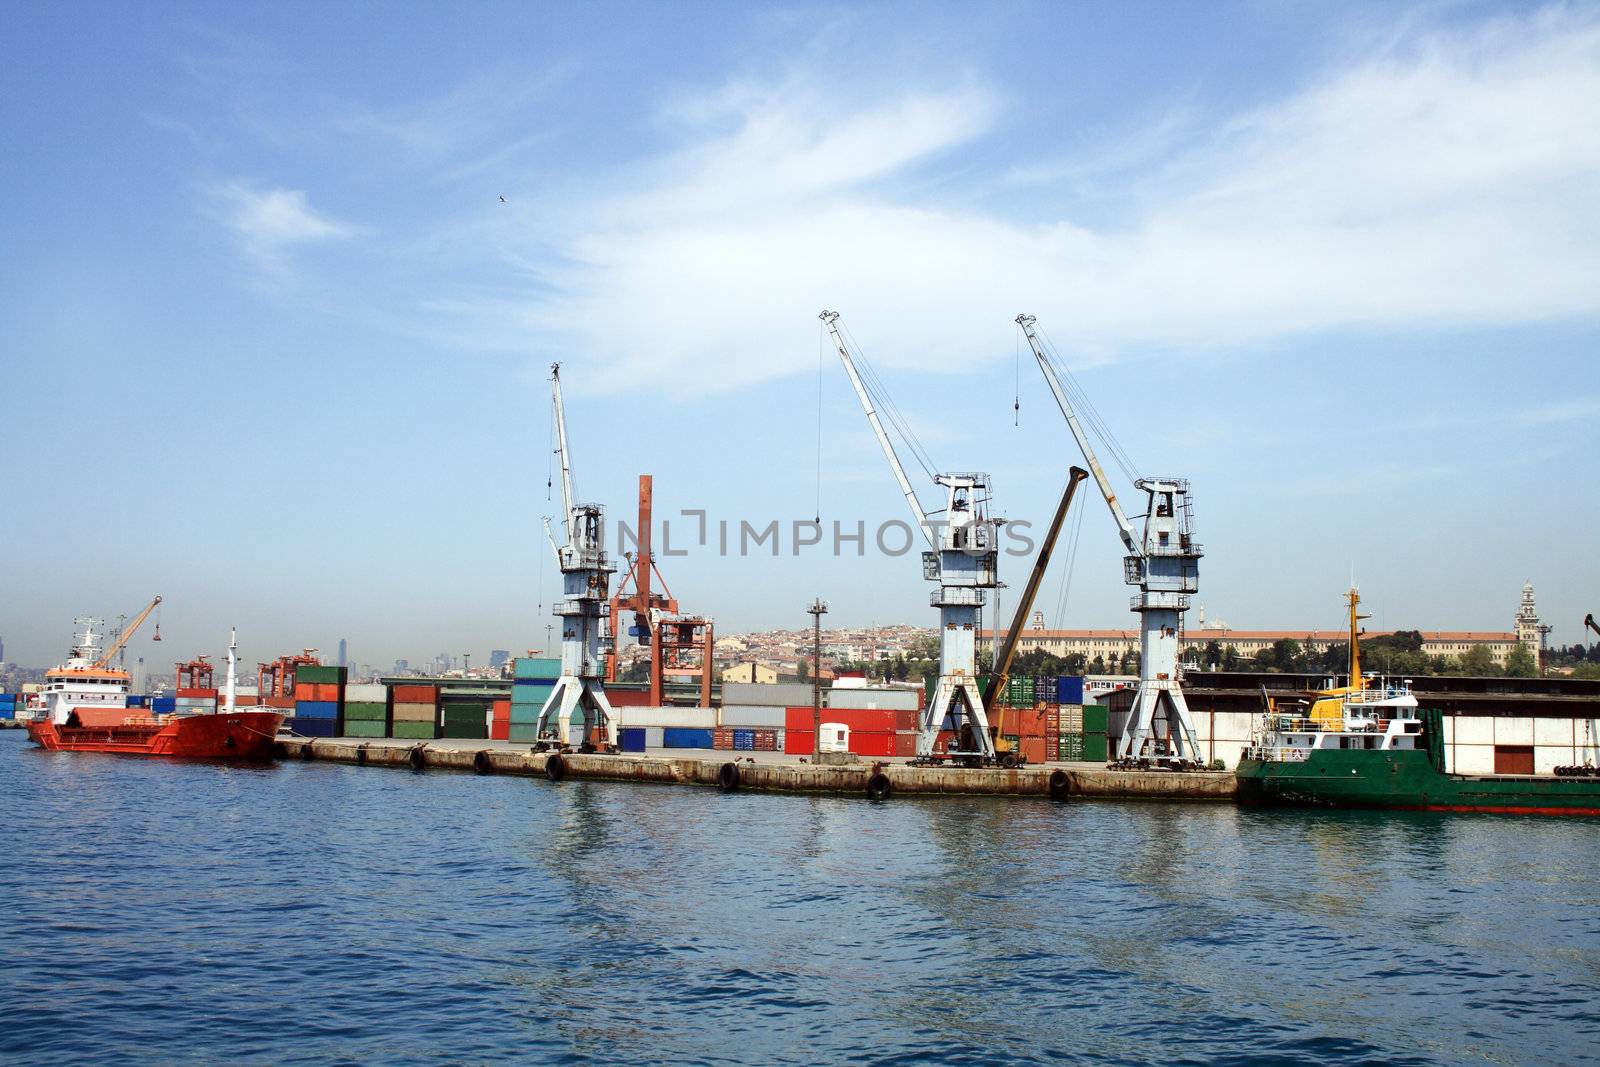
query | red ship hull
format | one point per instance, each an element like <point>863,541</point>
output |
<point>242,735</point>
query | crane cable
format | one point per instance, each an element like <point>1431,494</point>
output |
<point>822,342</point>
<point>882,399</point>
<point>1085,406</point>
<point>1064,591</point>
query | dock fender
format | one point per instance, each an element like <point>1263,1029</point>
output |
<point>306,750</point>
<point>481,763</point>
<point>1060,784</point>
<point>417,758</point>
<point>361,755</point>
<point>555,768</point>
<point>728,777</point>
<point>879,787</point>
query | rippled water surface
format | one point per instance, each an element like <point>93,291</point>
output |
<point>315,913</point>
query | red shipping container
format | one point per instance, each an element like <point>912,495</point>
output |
<point>942,742</point>
<point>500,711</point>
<point>1031,749</point>
<point>907,720</point>
<point>766,740</point>
<point>278,702</point>
<point>200,694</point>
<point>905,743</point>
<point>798,742</point>
<point>628,698</point>
<point>500,730</point>
<point>869,720</point>
<point>244,702</point>
<point>416,694</point>
<point>722,739</point>
<point>872,743</point>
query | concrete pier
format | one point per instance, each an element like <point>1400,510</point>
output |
<point>770,772</point>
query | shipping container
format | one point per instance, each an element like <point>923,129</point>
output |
<point>691,718</point>
<point>364,711</point>
<point>163,704</point>
<point>771,695</point>
<point>538,668</point>
<point>905,743</point>
<point>654,737</point>
<point>627,698</point>
<point>721,739</point>
<point>501,710</point>
<point>1094,718</point>
<point>767,740</point>
<point>318,691</point>
<point>200,693</point>
<point>681,737</point>
<point>308,727</point>
<point>332,675</point>
<point>1070,748</point>
<point>524,714</point>
<point>316,709</point>
<point>753,716</point>
<point>414,731</point>
<point>416,694</point>
<point>1095,749</point>
<point>415,712</point>
<point>463,711</point>
<point>872,721</point>
<point>1032,749</point>
<point>500,730</point>
<point>631,738</point>
<point>1069,690</point>
<point>365,728</point>
<point>522,732</point>
<point>871,742</point>
<point>798,742</point>
<point>471,731</point>
<point>891,699</point>
<point>367,693</point>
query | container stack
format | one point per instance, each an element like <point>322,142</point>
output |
<point>196,702</point>
<point>318,700</point>
<point>163,705</point>
<point>464,717</point>
<point>759,711</point>
<point>414,712</point>
<point>873,731</point>
<point>9,702</point>
<point>500,721</point>
<point>366,710</point>
<point>534,679</point>
<point>1095,748</point>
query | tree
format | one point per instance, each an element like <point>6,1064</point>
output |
<point>1230,658</point>
<point>1212,656</point>
<point>1286,654</point>
<point>1478,662</point>
<point>1097,665</point>
<point>805,670</point>
<point>1521,664</point>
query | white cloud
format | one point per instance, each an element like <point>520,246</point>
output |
<point>269,221</point>
<point>1450,180</point>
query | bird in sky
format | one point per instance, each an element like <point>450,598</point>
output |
<point>502,199</point>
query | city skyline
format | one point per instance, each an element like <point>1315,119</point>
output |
<point>1353,305</point>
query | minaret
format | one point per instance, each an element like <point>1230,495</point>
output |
<point>1529,631</point>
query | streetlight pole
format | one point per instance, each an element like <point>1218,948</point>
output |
<point>466,664</point>
<point>817,610</point>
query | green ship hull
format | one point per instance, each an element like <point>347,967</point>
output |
<point>1407,779</point>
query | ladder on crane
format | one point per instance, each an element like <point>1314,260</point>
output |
<point>1165,564</point>
<point>963,559</point>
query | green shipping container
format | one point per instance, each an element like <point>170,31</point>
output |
<point>367,712</point>
<point>465,730</point>
<point>414,731</point>
<point>464,713</point>
<point>524,731</point>
<point>526,713</point>
<point>1070,748</point>
<point>364,728</point>
<point>321,675</point>
<point>1094,718</point>
<point>536,667</point>
<point>1094,747</point>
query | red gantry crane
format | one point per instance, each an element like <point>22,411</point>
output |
<point>680,645</point>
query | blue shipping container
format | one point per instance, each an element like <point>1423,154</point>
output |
<point>744,739</point>
<point>313,727</point>
<point>163,703</point>
<point>316,709</point>
<point>1069,690</point>
<point>631,738</point>
<point>682,737</point>
<point>10,711</point>
<point>137,702</point>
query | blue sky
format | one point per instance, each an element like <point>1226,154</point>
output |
<point>274,348</point>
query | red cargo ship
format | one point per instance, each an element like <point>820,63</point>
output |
<point>82,708</point>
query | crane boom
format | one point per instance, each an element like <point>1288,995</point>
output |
<point>831,318</point>
<point>566,459</point>
<point>1124,527</point>
<point>1588,620</point>
<point>126,635</point>
<point>1002,660</point>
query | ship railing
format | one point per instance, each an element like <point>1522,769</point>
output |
<point>1280,753</point>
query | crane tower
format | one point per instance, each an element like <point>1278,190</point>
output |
<point>585,580</point>
<point>1165,564</point>
<point>964,562</point>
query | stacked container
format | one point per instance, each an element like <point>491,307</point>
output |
<point>1095,717</point>
<point>873,731</point>
<point>163,705</point>
<point>414,712</point>
<point>464,717</point>
<point>318,700</point>
<point>9,702</point>
<point>500,721</point>
<point>196,702</point>
<point>366,710</point>
<point>533,680</point>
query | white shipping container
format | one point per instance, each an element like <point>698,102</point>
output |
<point>654,737</point>
<point>692,718</point>
<point>881,699</point>
<point>777,695</point>
<point>366,693</point>
<point>752,717</point>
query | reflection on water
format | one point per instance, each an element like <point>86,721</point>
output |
<point>315,913</point>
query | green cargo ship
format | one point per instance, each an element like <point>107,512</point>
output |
<point>1367,745</point>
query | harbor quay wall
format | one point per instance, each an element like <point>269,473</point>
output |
<point>1089,781</point>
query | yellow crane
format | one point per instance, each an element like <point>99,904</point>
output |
<point>127,634</point>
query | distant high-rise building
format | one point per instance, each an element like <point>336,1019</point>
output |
<point>497,658</point>
<point>401,666</point>
<point>341,652</point>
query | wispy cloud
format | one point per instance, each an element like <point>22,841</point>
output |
<point>269,222</point>
<point>1555,413</point>
<point>1446,179</point>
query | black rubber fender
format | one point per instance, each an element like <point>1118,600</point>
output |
<point>361,755</point>
<point>305,750</point>
<point>879,787</point>
<point>481,764</point>
<point>1060,784</point>
<point>555,768</point>
<point>728,777</point>
<point>417,758</point>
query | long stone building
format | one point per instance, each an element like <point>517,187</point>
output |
<point>1118,643</point>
